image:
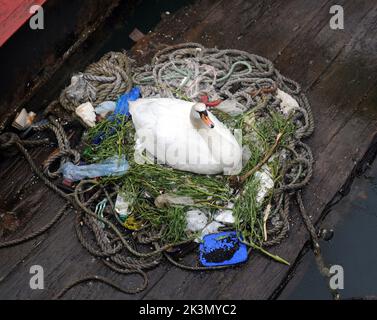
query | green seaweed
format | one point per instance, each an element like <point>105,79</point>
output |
<point>146,181</point>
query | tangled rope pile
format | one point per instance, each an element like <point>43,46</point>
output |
<point>102,81</point>
<point>190,71</point>
<point>231,74</point>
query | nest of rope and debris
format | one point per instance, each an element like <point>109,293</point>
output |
<point>132,214</point>
<point>155,204</point>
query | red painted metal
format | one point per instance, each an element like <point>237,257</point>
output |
<point>13,14</point>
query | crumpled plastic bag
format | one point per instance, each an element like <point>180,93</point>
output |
<point>122,103</point>
<point>225,217</point>
<point>104,108</point>
<point>121,108</point>
<point>288,103</point>
<point>266,183</point>
<point>196,220</point>
<point>80,90</point>
<point>230,107</point>
<point>114,166</point>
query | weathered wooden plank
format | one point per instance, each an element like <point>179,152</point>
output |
<point>26,198</point>
<point>65,260</point>
<point>318,46</point>
<point>31,203</point>
<point>342,148</point>
<point>350,208</point>
<point>34,211</point>
<point>181,284</point>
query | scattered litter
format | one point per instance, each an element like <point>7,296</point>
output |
<point>122,206</point>
<point>225,217</point>
<point>80,90</point>
<point>86,112</point>
<point>205,99</point>
<point>165,200</point>
<point>265,183</point>
<point>222,249</point>
<point>266,215</point>
<point>121,108</point>
<point>24,120</point>
<point>105,108</point>
<point>136,35</point>
<point>33,126</point>
<point>230,107</point>
<point>288,103</point>
<point>196,220</point>
<point>122,103</point>
<point>111,167</point>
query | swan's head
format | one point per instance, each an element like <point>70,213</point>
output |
<point>200,111</point>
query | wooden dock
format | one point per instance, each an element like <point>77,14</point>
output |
<point>338,71</point>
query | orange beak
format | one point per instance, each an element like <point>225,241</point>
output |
<point>207,120</point>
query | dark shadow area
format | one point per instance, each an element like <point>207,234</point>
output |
<point>354,220</point>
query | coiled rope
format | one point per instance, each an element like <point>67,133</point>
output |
<point>102,81</point>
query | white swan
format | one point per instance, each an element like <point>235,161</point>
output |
<point>185,136</point>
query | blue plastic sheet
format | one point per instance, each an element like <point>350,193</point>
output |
<point>221,249</point>
<point>114,166</point>
<point>122,108</point>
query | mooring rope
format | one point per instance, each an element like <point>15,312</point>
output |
<point>322,267</point>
